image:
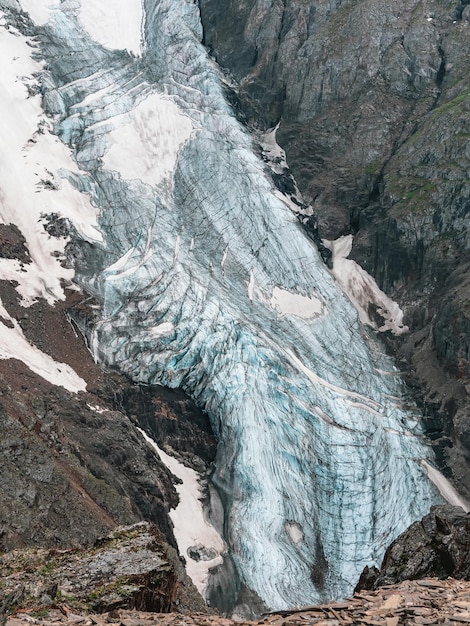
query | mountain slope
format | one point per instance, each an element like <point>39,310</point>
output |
<point>201,278</point>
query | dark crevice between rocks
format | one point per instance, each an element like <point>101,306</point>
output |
<point>460,8</point>
<point>441,72</point>
<point>233,99</point>
<point>286,23</point>
<point>310,227</point>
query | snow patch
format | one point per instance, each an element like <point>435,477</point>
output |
<point>30,188</point>
<point>115,24</point>
<point>121,263</point>
<point>192,531</point>
<point>287,303</point>
<point>444,487</point>
<point>251,286</point>
<point>160,331</point>
<point>272,150</point>
<point>295,532</point>
<point>97,409</point>
<point>293,206</point>
<point>362,289</point>
<point>176,250</point>
<point>14,345</point>
<point>224,257</point>
<point>39,10</point>
<point>146,146</point>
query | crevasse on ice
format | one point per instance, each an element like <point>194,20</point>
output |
<point>318,461</point>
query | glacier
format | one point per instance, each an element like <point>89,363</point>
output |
<point>207,282</point>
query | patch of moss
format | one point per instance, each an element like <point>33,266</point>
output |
<point>120,587</point>
<point>411,195</point>
<point>39,613</point>
<point>372,168</point>
<point>452,104</point>
<point>47,568</point>
<point>417,196</point>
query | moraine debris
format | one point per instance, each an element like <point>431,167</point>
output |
<point>424,602</point>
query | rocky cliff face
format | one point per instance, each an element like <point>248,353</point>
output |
<point>73,466</point>
<point>372,105</point>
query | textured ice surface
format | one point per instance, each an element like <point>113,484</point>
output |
<point>39,10</point>
<point>318,462</point>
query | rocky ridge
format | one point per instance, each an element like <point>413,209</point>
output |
<point>129,578</point>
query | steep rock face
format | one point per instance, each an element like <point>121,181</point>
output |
<point>372,103</point>
<point>344,79</point>
<point>173,421</point>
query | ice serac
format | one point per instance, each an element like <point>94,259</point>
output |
<point>208,283</point>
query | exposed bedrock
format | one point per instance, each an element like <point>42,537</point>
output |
<point>129,568</point>
<point>372,102</point>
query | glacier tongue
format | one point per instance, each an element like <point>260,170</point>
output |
<point>318,463</point>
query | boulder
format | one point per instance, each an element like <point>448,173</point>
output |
<point>438,545</point>
<point>127,569</point>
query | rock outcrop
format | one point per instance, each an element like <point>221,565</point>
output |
<point>372,104</point>
<point>128,569</point>
<point>438,545</point>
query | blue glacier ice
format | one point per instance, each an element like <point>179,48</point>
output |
<point>319,455</point>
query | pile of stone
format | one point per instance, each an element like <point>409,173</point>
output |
<point>427,601</point>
